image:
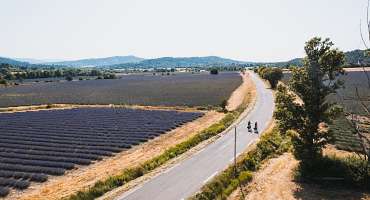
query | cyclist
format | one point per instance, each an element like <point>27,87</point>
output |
<point>249,126</point>
<point>255,127</point>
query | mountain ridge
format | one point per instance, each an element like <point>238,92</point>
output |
<point>353,58</point>
<point>98,62</point>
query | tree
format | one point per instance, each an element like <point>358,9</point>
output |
<point>214,71</point>
<point>312,83</point>
<point>3,81</point>
<point>287,110</point>
<point>109,76</point>
<point>95,72</point>
<point>224,105</point>
<point>69,78</point>
<point>272,75</point>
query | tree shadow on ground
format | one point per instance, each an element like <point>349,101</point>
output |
<point>328,191</point>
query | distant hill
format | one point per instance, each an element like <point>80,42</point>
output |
<point>167,62</point>
<point>353,58</point>
<point>36,61</point>
<point>13,62</point>
<point>357,56</point>
<point>98,62</point>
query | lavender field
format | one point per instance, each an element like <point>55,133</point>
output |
<point>174,90</point>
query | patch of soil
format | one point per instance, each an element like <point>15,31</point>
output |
<point>330,150</point>
<point>83,177</point>
<point>239,95</point>
<point>356,69</point>
<point>70,106</point>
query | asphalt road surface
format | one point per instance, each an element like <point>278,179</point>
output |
<point>187,177</point>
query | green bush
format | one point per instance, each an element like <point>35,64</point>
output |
<point>213,71</point>
<point>3,81</point>
<point>245,177</point>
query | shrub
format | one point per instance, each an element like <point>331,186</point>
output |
<point>69,78</point>
<point>223,105</point>
<point>109,76</point>
<point>3,82</point>
<point>213,71</point>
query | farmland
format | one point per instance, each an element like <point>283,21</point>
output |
<point>35,145</point>
<point>173,90</point>
<point>346,96</point>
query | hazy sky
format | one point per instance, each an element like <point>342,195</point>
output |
<point>253,30</point>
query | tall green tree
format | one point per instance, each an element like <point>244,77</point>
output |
<point>312,83</point>
<point>272,75</point>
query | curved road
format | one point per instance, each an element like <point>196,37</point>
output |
<point>188,176</point>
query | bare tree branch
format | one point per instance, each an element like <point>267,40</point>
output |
<point>367,19</point>
<point>362,37</point>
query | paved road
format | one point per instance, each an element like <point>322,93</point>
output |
<point>187,177</point>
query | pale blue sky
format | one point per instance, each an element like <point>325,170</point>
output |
<point>258,30</point>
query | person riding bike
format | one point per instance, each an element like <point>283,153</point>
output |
<point>249,125</point>
<point>255,126</point>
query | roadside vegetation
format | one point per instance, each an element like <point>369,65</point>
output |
<point>271,144</point>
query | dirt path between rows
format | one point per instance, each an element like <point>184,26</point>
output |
<point>275,181</point>
<point>82,178</point>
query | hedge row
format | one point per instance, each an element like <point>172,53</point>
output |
<point>102,187</point>
<point>220,187</point>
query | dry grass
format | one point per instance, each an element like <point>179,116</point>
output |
<point>70,106</point>
<point>330,150</point>
<point>356,69</point>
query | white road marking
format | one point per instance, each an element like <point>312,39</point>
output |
<point>210,177</point>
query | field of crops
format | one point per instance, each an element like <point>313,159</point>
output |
<point>34,145</point>
<point>345,137</point>
<point>172,90</point>
<point>347,95</point>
